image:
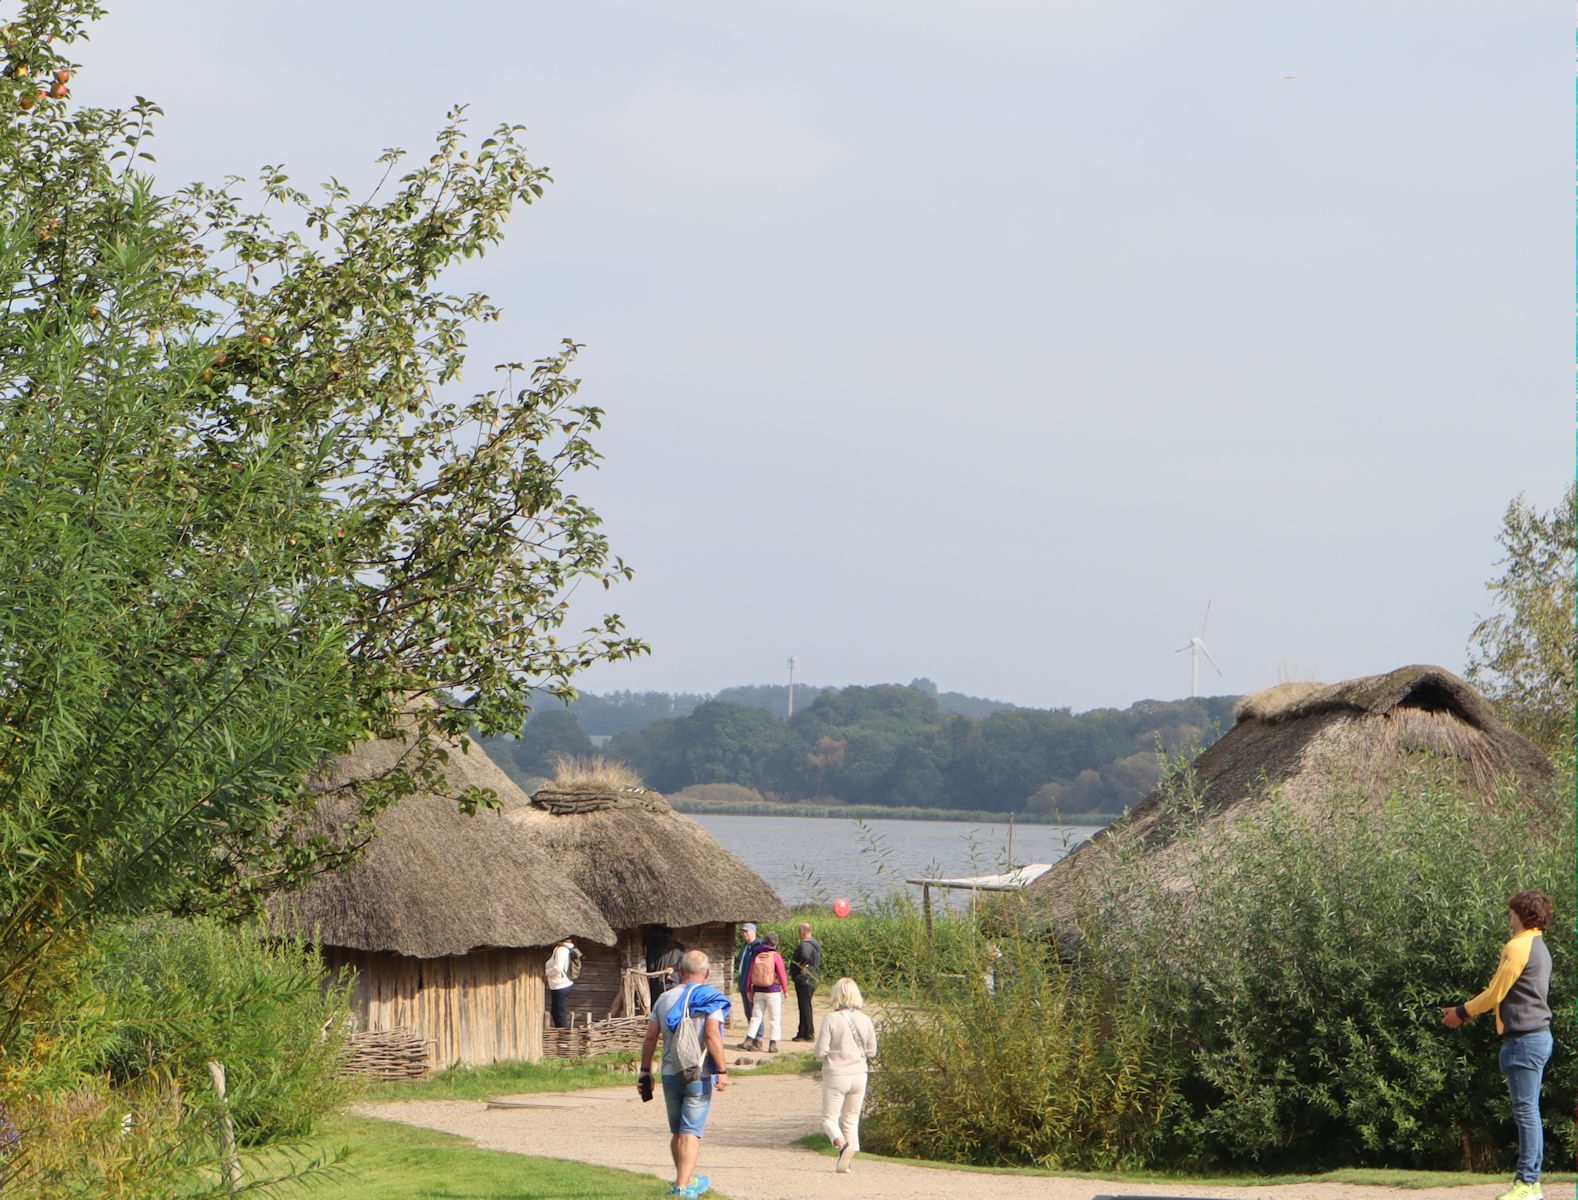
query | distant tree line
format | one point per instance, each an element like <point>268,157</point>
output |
<point>895,745</point>
<point>620,712</point>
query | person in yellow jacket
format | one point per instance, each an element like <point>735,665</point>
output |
<point>1518,993</point>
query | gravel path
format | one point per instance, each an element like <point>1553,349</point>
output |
<point>750,1154</point>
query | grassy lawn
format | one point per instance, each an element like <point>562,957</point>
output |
<point>506,1079</point>
<point>1359,1176</point>
<point>550,1075</point>
<point>387,1161</point>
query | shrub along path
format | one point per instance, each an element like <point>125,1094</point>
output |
<point>750,1152</point>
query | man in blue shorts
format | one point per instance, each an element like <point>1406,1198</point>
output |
<point>687,1103</point>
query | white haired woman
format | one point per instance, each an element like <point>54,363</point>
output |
<point>846,1042</point>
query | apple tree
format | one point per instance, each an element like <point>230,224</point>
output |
<point>247,515</point>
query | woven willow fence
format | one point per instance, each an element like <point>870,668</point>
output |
<point>388,1054</point>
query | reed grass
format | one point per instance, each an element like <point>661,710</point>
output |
<point>594,771</point>
<point>878,812</point>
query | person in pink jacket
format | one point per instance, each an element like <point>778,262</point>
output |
<point>767,983</point>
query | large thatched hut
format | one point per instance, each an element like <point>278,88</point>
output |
<point>1316,741</point>
<point>446,918</point>
<point>649,870</point>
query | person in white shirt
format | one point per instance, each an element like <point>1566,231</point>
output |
<point>846,1043</point>
<point>559,983</point>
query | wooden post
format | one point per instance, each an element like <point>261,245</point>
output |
<point>1010,841</point>
<point>926,906</point>
<point>231,1165</point>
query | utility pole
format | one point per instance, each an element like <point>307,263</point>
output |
<point>791,685</point>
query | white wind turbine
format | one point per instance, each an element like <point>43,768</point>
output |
<point>1196,648</point>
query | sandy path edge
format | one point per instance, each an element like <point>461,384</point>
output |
<point>750,1154</point>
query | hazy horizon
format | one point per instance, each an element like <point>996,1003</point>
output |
<point>986,343</point>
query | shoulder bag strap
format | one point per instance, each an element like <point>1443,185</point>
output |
<point>854,1029</point>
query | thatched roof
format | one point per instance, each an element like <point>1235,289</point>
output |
<point>641,862</point>
<point>1312,740</point>
<point>433,881</point>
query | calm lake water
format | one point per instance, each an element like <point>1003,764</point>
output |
<point>800,855</point>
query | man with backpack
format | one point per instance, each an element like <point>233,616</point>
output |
<point>689,1019</point>
<point>805,970</point>
<point>562,969</point>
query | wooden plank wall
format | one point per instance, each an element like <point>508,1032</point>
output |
<point>478,1008</point>
<point>492,1006</point>
<point>717,939</point>
<point>602,967</point>
<point>602,974</point>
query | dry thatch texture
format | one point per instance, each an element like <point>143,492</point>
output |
<point>641,862</point>
<point>433,881</point>
<point>1313,740</point>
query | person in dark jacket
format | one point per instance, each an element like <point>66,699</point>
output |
<point>804,969</point>
<point>747,953</point>
<point>664,952</point>
<point>1518,993</point>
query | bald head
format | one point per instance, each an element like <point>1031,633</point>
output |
<point>805,931</point>
<point>694,965</point>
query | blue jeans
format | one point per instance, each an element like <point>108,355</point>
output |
<point>1523,1059</point>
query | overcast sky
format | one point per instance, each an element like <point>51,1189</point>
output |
<point>987,341</point>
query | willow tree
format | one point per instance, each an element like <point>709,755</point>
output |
<point>247,514</point>
<point>1522,654</point>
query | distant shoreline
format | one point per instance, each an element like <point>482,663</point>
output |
<point>876,812</point>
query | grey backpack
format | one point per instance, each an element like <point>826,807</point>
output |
<point>688,1050</point>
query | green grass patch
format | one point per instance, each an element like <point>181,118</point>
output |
<point>802,1063</point>
<point>1359,1176</point>
<point>507,1079</point>
<point>384,1160</point>
<point>550,1075</point>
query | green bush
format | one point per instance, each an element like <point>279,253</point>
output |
<point>1281,1012</point>
<point>1044,1068</point>
<point>1296,985</point>
<point>194,991</point>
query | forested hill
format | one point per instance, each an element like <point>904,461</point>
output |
<point>895,745</point>
<point>621,712</point>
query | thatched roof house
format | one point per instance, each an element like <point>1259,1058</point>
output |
<point>1314,740</point>
<point>647,868</point>
<point>447,918</point>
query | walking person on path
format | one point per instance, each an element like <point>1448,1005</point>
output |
<point>689,1102</point>
<point>767,984</point>
<point>804,970</point>
<point>1518,995</point>
<point>846,1044</point>
<point>560,970</point>
<point>747,952</point>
